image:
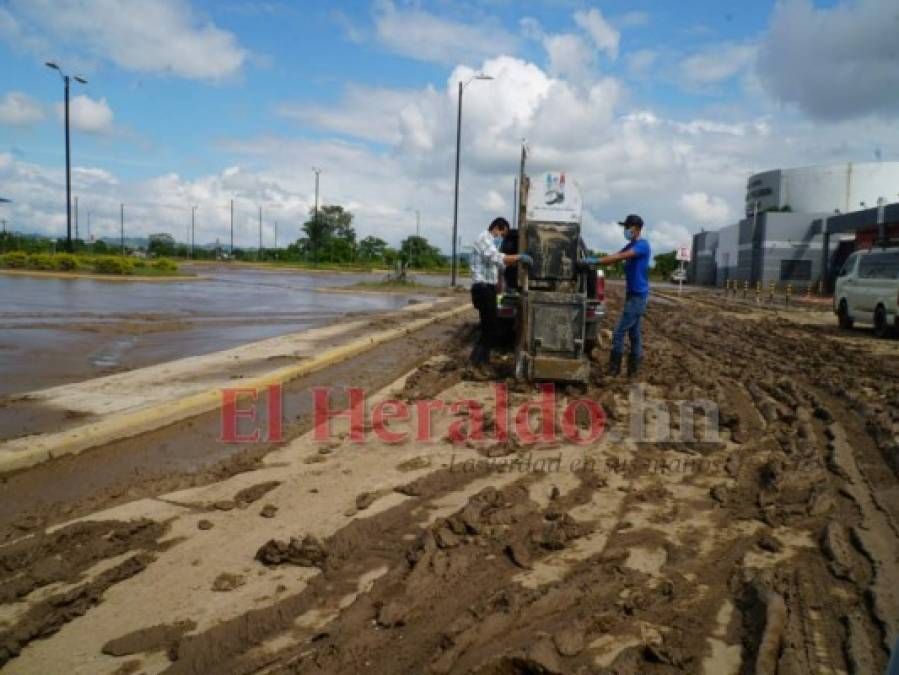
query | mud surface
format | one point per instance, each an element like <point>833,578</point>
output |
<point>765,543</point>
<point>190,453</point>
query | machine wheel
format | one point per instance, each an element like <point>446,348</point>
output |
<point>843,316</point>
<point>881,329</point>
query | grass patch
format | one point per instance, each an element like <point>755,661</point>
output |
<point>87,264</point>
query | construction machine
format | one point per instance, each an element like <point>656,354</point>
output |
<point>557,302</point>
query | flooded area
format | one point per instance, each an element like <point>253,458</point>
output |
<point>54,331</point>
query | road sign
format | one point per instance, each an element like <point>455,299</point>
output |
<point>683,254</point>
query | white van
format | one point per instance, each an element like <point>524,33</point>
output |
<point>867,290</point>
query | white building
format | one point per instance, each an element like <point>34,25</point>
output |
<point>828,188</point>
<point>794,219</point>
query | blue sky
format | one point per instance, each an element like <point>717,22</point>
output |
<point>659,108</point>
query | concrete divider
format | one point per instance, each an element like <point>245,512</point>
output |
<point>21,453</point>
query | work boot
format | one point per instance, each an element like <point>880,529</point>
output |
<point>614,363</point>
<point>633,365</point>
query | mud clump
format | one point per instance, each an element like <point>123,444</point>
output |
<point>50,615</point>
<point>225,582</point>
<point>65,554</point>
<point>254,493</point>
<point>305,552</point>
<point>164,637</point>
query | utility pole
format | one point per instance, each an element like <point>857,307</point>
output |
<point>316,171</point>
<point>76,218</point>
<point>232,229</point>
<point>122,225</point>
<point>193,217</point>
<point>89,225</point>
<point>276,234</point>
<point>515,203</point>
<point>259,257</point>
<point>417,223</point>
<point>65,79</point>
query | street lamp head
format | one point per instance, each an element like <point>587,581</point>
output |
<point>52,65</point>
<point>80,79</point>
<point>483,76</point>
<point>4,200</point>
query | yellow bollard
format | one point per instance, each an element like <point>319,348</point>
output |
<point>789,294</point>
<point>772,287</point>
<point>758,293</point>
<point>745,289</point>
<point>808,290</point>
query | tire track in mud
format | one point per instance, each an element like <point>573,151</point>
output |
<point>759,566</point>
<point>453,601</point>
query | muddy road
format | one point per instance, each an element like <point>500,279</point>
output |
<point>738,514</point>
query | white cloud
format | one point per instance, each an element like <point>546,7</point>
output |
<point>640,61</point>
<point>163,36</point>
<point>605,37</point>
<point>569,55</point>
<point>20,110</point>
<point>493,201</point>
<point>424,36</point>
<point>834,62</point>
<point>705,209</point>
<point>716,64</point>
<point>666,236</point>
<point>86,114</point>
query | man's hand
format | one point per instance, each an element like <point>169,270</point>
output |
<point>526,259</point>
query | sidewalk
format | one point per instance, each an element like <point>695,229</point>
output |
<point>73,417</point>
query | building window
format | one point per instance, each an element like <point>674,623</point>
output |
<point>795,270</point>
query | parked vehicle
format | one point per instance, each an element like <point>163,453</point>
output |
<point>867,290</point>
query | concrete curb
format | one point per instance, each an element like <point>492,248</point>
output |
<point>21,453</point>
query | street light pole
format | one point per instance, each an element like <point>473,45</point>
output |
<point>476,76</point>
<point>65,79</point>
<point>316,171</point>
<point>193,222</point>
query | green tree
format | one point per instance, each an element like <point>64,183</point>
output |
<point>665,264</point>
<point>419,253</point>
<point>331,222</point>
<point>372,248</point>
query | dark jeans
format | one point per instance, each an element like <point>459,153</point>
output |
<point>483,297</point>
<point>631,316</point>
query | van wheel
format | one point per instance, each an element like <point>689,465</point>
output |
<point>881,329</point>
<point>843,316</point>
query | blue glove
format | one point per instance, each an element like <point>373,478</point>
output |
<point>591,260</point>
<point>526,259</point>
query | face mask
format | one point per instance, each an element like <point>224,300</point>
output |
<point>628,234</point>
<point>498,241</point>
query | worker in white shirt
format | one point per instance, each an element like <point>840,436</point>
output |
<point>486,262</point>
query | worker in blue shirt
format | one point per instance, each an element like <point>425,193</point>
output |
<point>636,256</point>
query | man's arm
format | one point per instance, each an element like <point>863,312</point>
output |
<point>615,257</point>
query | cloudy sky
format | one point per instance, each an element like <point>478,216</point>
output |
<point>658,108</point>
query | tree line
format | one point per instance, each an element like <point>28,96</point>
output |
<point>328,237</point>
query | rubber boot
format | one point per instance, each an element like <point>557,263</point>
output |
<point>633,366</point>
<point>614,363</point>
